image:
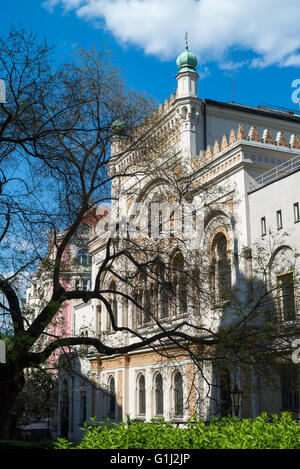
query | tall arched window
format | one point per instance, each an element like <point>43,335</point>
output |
<point>83,407</point>
<point>290,389</point>
<point>113,301</point>
<point>163,291</point>
<point>224,383</point>
<point>286,296</point>
<point>178,394</point>
<point>142,297</point>
<point>179,284</point>
<point>220,275</point>
<point>112,396</point>
<point>159,395</point>
<point>141,395</point>
<point>282,268</point>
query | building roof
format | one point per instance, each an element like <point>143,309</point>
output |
<point>261,111</point>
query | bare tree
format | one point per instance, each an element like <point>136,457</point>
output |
<point>55,134</point>
<point>59,161</point>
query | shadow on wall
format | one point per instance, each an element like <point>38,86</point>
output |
<point>80,398</point>
<point>244,382</point>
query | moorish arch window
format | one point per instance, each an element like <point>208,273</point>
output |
<point>141,395</point>
<point>286,296</point>
<point>179,285</point>
<point>178,394</point>
<point>282,273</point>
<point>158,395</point>
<point>142,298</point>
<point>151,294</point>
<point>113,301</point>
<point>111,396</point>
<point>163,292</point>
<point>290,389</point>
<point>220,269</point>
<point>154,218</point>
<point>159,291</point>
<point>224,384</point>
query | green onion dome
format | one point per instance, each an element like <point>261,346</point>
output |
<point>186,61</point>
<point>117,129</point>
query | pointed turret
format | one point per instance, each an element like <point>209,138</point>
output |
<point>187,76</point>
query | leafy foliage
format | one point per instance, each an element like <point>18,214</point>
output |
<point>227,433</point>
<point>38,397</point>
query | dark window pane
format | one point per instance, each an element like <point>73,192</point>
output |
<point>142,395</point>
<point>287,296</point>
<point>112,396</point>
<point>290,391</point>
<point>225,396</point>
<point>178,395</point>
<point>220,270</point>
<point>159,395</point>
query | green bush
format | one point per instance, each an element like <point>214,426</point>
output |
<point>227,433</point>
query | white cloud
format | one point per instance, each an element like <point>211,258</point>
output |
<point>292,60</point>
<point>269,28</point>
<point>204,73</point>
<point>229,66</point>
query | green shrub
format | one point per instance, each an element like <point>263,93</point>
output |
<point>226,433</point>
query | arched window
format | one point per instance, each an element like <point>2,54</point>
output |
<point>282,279</point>
<point>179,283</point>
<point>225,395</point>
<point>112,396</point>
<point>113,301</point>
<point>290,389</point>
<point>141,398</point>
<point>159,395</point>
<point>286,296</point>
<point>178,394</point>
<point>163,291</point>
<point>220,275</point>
<point>142,297</point>
<point>83,256</point>
<point>83,407</point>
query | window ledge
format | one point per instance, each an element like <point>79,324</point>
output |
<point>178,420</point>
<point>290,322</point>
<point>152,325</point>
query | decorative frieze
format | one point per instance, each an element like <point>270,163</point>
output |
<point>281,139</point>
<point>267,137</point>
<point>294,141</point>
<point>253,136</point>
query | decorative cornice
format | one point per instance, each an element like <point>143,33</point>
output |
<point>253,136</point>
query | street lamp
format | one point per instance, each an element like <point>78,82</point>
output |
<point>236,399</point>
<point>2,92</point>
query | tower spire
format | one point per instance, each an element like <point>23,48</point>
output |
<point>187,76</point>
<point>186,41</point>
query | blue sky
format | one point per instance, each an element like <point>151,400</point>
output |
<point>145,36</point>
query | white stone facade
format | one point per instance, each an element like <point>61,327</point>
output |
<point>200,131</point>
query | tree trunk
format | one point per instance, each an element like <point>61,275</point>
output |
<point>11,383</point>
